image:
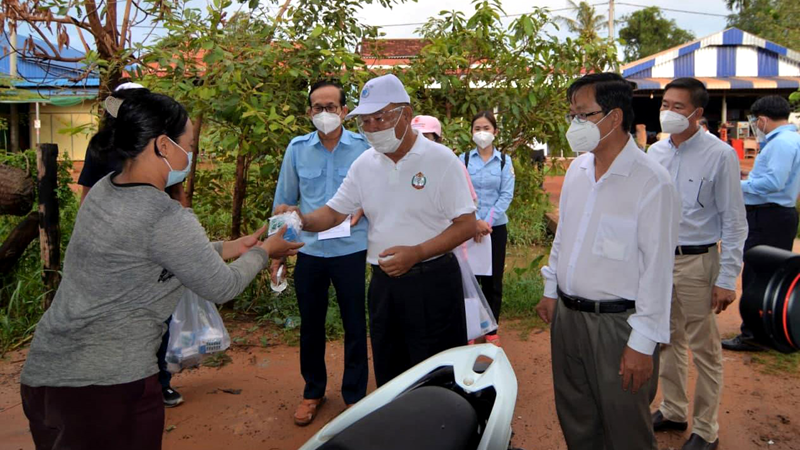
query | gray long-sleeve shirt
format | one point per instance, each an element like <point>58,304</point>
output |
<point>132,252</point>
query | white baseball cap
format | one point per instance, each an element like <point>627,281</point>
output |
<point>379,92</point>
<point>128,85</point>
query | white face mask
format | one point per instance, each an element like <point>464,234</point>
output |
<point>327,122</point>
<point>585,137</point>
<point>385,141</point>
<point>761,136</point>
<point>483,139</point>
<point>674,123</point>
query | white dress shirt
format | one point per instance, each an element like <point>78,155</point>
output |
<point>407,203</point>
<point>705,171</point>
<point>616,239</point>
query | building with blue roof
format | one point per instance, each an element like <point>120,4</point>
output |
<point>62,92</point>
<point>737,68</point>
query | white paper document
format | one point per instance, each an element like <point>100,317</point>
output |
<point>480,256</point>
<point>339,231</point>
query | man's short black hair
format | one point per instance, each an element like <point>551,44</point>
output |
<point>773,106</point>
<point>610,91</point>
<point>325,83</point>
<point>697,90</point>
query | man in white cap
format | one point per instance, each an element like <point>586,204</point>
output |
<point>416,198</point>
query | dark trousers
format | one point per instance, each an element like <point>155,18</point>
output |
<point>774,226</point>
<point>415,316</point>
<point>121,417</point>
<point>492,286</point>
<point>164,375</point>
<point>593,409</point>
<point>312,278</point>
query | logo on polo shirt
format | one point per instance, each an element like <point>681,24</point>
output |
<point>418,181</point>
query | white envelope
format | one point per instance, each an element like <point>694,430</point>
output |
<point>339,231</point>
<point>479,256</point>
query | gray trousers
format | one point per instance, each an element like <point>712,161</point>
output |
<point>594,412</point>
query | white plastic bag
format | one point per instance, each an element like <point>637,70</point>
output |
<point>480,319</point>
<point>196,330</point>
<point>294,225</point>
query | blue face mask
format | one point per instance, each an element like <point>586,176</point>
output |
<point>177,176</point>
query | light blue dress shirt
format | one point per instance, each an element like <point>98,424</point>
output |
<point>494,187</point>
<point>775,177</point>
<point>310,176</point>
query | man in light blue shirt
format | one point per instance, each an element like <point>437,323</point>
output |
<point>313,168</point>
<point>770,191</point>
<point>705,171</point>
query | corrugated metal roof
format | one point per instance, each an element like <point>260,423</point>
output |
<point>38,73</point>
<point>729,59</point>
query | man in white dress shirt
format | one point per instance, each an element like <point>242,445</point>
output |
<point>609,278</point>
<point>705,171</point>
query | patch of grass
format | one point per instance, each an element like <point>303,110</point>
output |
<point>219,359</point>
<point>776,363</point>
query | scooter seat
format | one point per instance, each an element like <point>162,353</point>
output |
<point>429,417</point>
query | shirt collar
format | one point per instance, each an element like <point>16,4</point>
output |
<point>623,163</point>
<point>781,129</point>
<point>687,143</point>
<point>495,154</point>
<point>344,139</point>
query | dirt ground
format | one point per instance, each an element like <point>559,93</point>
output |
<point>759,410</point>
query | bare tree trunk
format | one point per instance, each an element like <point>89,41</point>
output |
<point>198,124</point>
<point>16,191</point>
<point>17,241</point>
<point>239,192</point>
<point>49,239</point>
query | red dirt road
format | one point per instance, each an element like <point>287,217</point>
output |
<point>756,408</point>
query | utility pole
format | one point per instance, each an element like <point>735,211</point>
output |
<point>13,124</point>
<point>611,20</point>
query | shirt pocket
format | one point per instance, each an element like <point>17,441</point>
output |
<point>705,193</point>
<point>312,182</point>
<point>616,238</point>
<point>341,174</point>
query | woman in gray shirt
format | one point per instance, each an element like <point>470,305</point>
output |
<point>90,376</point>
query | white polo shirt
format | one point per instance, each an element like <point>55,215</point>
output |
<point>406,203</point>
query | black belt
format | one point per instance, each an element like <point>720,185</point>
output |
<point>423,266</point>
<point>585,305</point>
<point>693,249</point>
<point>764,206</point>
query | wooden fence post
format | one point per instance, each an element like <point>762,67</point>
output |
<point>49,239</point>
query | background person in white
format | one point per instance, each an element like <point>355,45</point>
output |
<point>611,268</point>
<point>705,171</point>
<point>415,195</point>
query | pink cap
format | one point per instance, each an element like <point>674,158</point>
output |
<point>427,124</point>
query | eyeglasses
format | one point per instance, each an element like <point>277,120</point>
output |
<point>581,117</point>
<point>379,121</point>
<point>316,109</point>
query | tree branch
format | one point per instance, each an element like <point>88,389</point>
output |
<point>123,35</point>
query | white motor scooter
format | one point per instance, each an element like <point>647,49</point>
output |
<point>460,399</point>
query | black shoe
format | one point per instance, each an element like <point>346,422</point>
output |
<point>695,442</point>
<point>661,424</point>
<point>172,398</point>
<point>741,344</point>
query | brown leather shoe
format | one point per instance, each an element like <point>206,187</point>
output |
<point>307,410</point>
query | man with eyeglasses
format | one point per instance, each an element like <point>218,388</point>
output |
<point>415,195</point>
<point>314,166</point>
<point>609,277</point>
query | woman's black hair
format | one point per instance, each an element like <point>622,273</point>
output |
<point>486,115</point>
<point>143,116</point>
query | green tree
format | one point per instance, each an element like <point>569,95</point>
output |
<point>774,20</point>
<point>647,32</point>
<point>587,23</point>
